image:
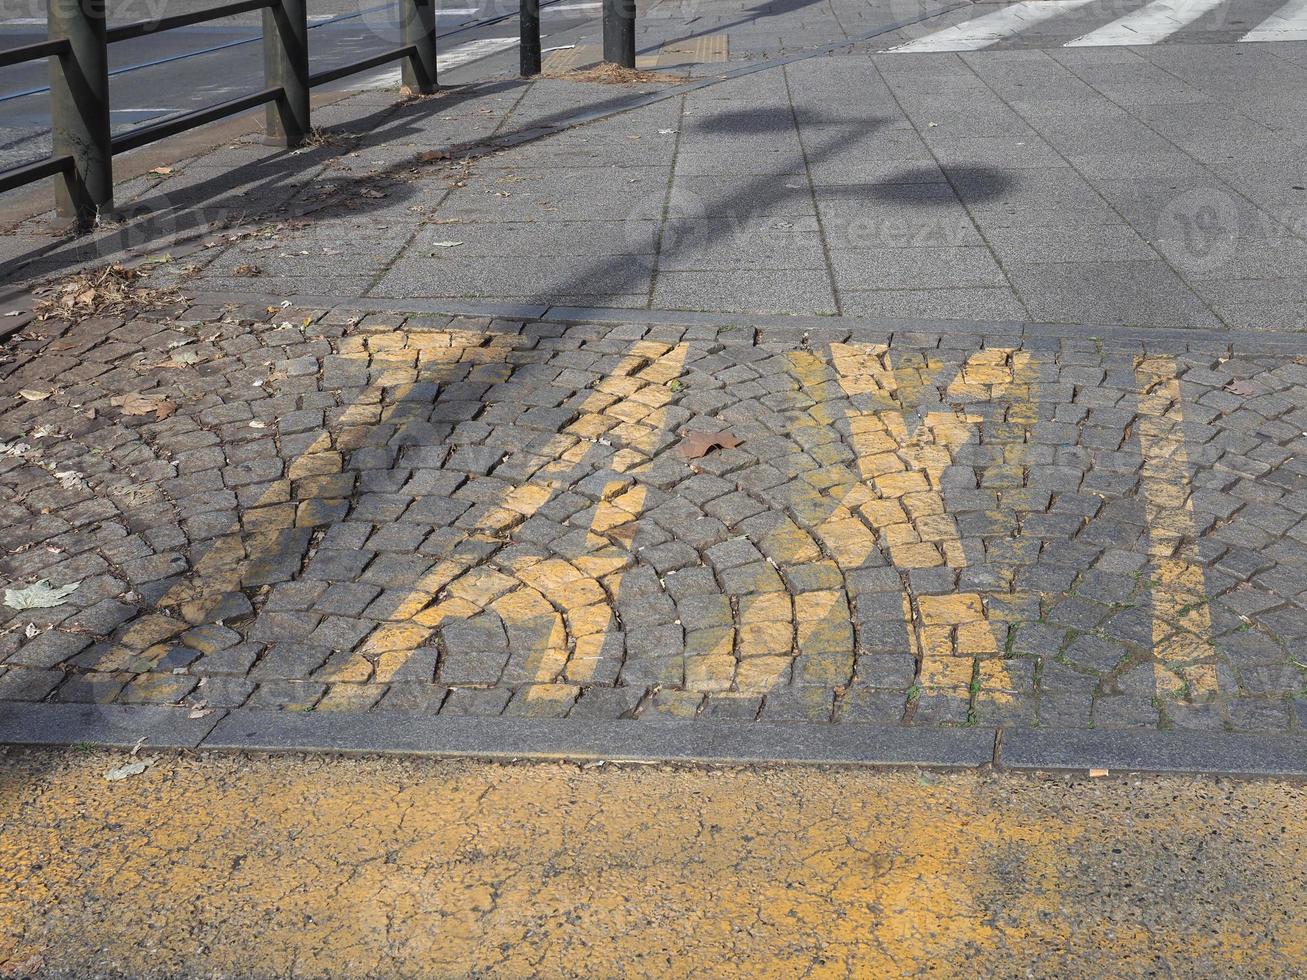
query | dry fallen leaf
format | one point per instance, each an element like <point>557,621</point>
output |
<point>135,404</point>
<point>39,595</point>
<point>33,395</point>
<point>161,171</point>
<point>697,445</point>
<point>130,769</point>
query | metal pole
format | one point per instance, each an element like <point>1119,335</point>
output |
<point>619,32</point>
<point>529,17</point>
<point>286,63</point>
<point>79,110</point>
<point>418,72</point>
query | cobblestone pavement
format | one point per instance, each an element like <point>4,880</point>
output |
<point>492,517</point>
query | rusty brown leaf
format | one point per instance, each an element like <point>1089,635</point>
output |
<point>697,445</point>
<point>135,404</point>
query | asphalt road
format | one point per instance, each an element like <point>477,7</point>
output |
<point>240,866</point>
<point>188,68</point>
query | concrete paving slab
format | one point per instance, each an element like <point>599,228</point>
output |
<point>1109,292</point>
<point>745,291</point>
<point>1086,243</point>
<point>915,268</point>
<point>988,303</point>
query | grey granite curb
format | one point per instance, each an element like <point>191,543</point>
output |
<point>775,326</point>
<point>113,725</point>
<point>1216,753</point>
<point>501,738</point>
<point>393,733</point>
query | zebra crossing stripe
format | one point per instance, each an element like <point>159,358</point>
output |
<point>460,54</point>
<point>1147,25</point>
<point>991,28</point>
<point>1289,23</point>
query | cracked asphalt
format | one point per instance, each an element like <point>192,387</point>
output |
<point>237,866</point>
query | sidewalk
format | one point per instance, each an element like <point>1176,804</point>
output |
<point>1015,481</point>
<point>1040,186</point>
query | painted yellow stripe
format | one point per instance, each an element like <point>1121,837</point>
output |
<point>905,469</point>
<point>396,362</point>
<point>543,598</point>
<point>336,867</point>
<point>1182,623</point>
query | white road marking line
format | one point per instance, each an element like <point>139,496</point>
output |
<point>991,28</point>
<point>23,22</point>
<point>1289,23</point>
<point>445,60</point>
<point>468,11</point>
<point>1147,25</point>
<point>461,54</point>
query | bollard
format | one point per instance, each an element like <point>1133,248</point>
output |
<point>418,73</point>
<point>286,63</point>
<point>79,110</point>
<point>529,18</point>
<point>619,32</point>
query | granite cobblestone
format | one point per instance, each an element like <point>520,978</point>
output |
<point>494,517</point>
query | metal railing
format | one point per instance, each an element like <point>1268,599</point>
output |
<point>77,51</point>
<point>79,88</point>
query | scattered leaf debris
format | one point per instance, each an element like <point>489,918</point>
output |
<point>112,290</point>
<point>610,74</point>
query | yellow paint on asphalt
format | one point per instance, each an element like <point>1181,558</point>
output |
<point>1182,623</point>
<point>229,866</point>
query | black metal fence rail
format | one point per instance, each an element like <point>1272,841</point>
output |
<point>77,52</point>
<point>79,89</point>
